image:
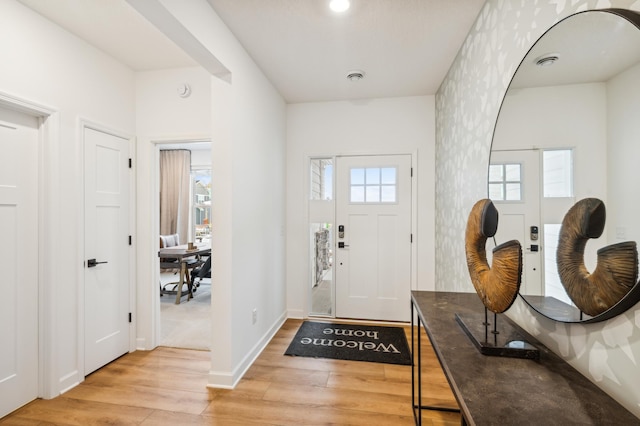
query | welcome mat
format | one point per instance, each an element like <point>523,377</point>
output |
<point>351,342</point>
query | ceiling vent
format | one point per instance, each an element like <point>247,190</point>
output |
<point>355,75</point>
<point>547,60</point>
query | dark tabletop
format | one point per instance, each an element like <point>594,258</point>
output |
<point>495,390</point>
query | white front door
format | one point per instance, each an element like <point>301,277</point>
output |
<point>18,260</point>
<point>107,243</point>
<point>373,241</point>
<point>519,210</point>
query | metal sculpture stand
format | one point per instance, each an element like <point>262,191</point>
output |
<point>504,340</point>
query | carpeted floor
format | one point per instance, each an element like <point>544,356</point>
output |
<point>187,325</point>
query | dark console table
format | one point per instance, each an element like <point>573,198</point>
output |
<point>493,390</point>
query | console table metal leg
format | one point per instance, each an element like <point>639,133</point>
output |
<point>417,405</point>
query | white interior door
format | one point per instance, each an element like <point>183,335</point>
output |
<point>107,242</point>
<point>519,211</point>
<point>18,260</point>
<point>373,247</point>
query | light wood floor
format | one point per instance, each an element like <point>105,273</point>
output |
<point>167,386</point>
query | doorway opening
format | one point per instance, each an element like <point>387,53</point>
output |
<point>186,322</point>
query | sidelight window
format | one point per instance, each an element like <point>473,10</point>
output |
<point>557,174</point>
<point>321,179</point>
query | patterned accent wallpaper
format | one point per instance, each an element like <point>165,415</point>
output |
<point>467,106</point>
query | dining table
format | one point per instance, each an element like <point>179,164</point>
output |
<point>185,255</point>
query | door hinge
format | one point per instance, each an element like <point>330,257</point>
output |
<point>411,239</point>
<point>412,172</point>
<point>129,316</point>
<point>129,239</point>
<point>130,163</point>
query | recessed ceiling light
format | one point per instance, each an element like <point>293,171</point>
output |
<point>547,60</point>
<point>339,5</point>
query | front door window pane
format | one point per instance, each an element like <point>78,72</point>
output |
<point>373,185</point>
<point>388,175</point>
<point>357,176</point>
<point>512,172</point>
<point>357,193</point>
<point>495,173</point>
<point>388,194</point>
<point>513,192</point>
<point>495,191</point>
<point>373,176</point>
<point>373,194</point>
<point>505,182</point>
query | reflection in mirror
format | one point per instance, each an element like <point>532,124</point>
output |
<point>569,124</point>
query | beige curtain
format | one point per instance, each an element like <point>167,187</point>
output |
<point>175,169</point>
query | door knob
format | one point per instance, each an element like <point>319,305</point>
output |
<point>92,262</point>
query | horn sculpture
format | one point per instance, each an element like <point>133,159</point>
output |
<point>617,268</point>
<point>499,284</point>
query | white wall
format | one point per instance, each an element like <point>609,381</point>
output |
<point>200,158</point>
<point>161,115</point>
<point>393,125</point>
<point>248,145</point>
<point>44,64</point>
<point>623,104</point>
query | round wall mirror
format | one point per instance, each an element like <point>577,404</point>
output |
<point>569,129</point>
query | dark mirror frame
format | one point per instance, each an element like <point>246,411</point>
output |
<point>559,311</point>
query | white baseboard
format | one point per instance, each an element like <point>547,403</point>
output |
<point>229,380</point>
<point>69,381</point>
<point>141,344</point>
<point>296,314</point>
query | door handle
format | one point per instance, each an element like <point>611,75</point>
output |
<point>92,262</point>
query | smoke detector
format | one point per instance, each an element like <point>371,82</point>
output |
<point>184,90</point>
<point>355,75</point>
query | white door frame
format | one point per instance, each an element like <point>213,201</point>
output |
<point>83,124</point>
<point>414,219</point>
<point>47,164</point>
<point>155,228</point>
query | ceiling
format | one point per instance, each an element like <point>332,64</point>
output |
<point>404,47</point>
<point>114,27</point>
<point>590,47</point>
